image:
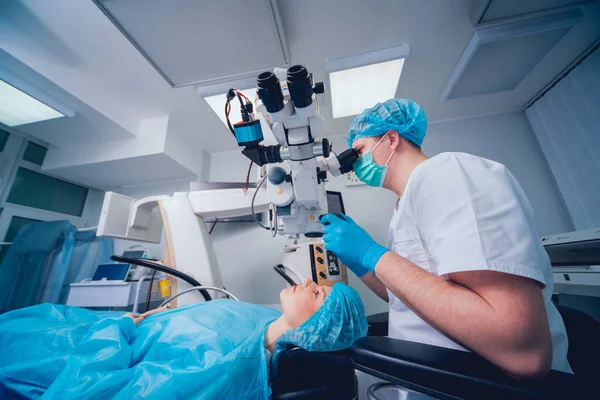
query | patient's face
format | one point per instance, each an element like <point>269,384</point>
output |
<point>301,301</point>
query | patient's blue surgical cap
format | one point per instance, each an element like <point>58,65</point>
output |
<point>339,322</point>
<point>403,116</point>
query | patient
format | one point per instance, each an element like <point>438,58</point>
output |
<point>214,350</point>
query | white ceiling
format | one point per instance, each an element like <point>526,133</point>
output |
<point>76,47</point>
<point>123,172</point>
<point>180,54</point>
<point>498,9</point>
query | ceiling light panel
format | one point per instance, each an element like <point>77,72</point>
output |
<point>360,81</point>
<point>354,89</point>
<point>18,108</point>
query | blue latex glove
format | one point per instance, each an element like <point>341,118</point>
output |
<point>351,243</point>
<point>358,269</point>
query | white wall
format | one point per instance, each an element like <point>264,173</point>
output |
<point>183,141</point>
<point>150,140</point>
<point>567,124</point>
<point>92,208</point>
<point>205,175</point>
<point>230,166</point>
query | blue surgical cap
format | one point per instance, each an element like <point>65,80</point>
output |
<point>334,326</point>
<point>403,116</point>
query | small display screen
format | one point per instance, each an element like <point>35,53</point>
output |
<point>133,253</point>
<point>333,266</point>
<point>335,204</point>
<point>111,272</point>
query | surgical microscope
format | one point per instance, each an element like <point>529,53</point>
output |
<point>296,168</point>
<point>295,171</point>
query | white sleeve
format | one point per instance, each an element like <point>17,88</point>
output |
<point>473,215</point>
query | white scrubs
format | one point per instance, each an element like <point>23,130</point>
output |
<point>460,212</point>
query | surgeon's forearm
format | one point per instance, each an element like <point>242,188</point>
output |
<point>497,330</point>
<point>375,285</point>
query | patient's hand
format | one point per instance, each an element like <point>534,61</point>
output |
<point>137,318</point>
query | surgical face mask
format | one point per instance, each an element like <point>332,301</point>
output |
<point>368,171</point>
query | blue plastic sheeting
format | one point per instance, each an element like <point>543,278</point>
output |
<point>44,259</point>
<point>88,252</point>
<point>36,264</point>
<point>211,350</point>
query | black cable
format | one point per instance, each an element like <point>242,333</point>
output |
<point>252,204</point>
<point>149,264</point>
<point>213,226</point>
<point>248,177</point>
<point>150,290</point>
<point>227,119</point>
<point>243,109</point>
<point>242,104</point>
<point>278,269</point>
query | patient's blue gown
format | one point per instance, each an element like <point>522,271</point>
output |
<point>211,350</point>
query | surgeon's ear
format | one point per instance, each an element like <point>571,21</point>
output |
<point>394,139</point>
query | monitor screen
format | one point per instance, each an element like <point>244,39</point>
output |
<point>335,204</point>
<point>111,272</point>
<point>134,253</point>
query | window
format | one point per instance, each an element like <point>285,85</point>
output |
<point>16,223</point>
<point>27,195</point>
<point>3,139</point>
<point>34,153</point>
<point>36,190</point>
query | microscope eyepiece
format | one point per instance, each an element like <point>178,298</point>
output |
<point>347,159</point>
<point>300,86</point>
<point>269,91</point>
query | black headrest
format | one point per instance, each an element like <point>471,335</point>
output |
<point>583,332</point>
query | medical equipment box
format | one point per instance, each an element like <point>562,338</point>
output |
<point>107,293</point>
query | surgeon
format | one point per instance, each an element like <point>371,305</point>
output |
<point>463,267</point>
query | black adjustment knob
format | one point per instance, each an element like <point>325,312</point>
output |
<point>326,147</point>
<point>319,88</point>
<point>322,176</point>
